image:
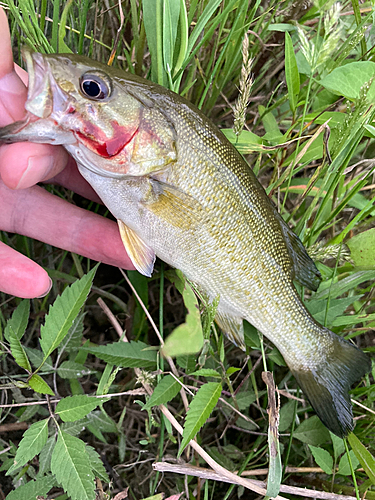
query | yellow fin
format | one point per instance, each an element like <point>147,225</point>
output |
<point>232,326</point>
<point>174,206</point>
<point>141,255</point>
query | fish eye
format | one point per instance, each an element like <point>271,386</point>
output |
<point>95,87</point>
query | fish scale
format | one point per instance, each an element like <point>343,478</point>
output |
<point>182,192</point>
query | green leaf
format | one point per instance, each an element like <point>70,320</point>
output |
<point>286,416</point>
<point>152,18</point>
<point>291,73</point>
<point>74,408</point>
<point>312,431</point>
<point>18,322</point>
<point>63,312</point>
<point>344,466</point>
<point>73,339</point>
<point>364,456</point>
<point>71,466</point>
<point>338,446</point>
<point>206,372</point>
<point>348,80</point>
<point>322,458</point>
<point>36,358</point>
<point>337,307</point>
<point>97,465</point>
<point>39,385</point>
<point>18,351</point>
<point>166,390</point>
<point>45,456</point>
<point>102,421</point>
<point>188,337</point>
<point>33,489</point>
<point>31,444</point>
<point>171,14</point>
<point>63,48</point>
<point>71,369</point>
<point>126,354</point>
<point>200,409</point>
<point>362,249</point>
<point>344,285</point>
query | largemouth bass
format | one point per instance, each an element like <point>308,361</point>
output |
<point>181,191</point>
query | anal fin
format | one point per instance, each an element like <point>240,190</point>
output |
<point>232,326</point>
<point>141,255</point>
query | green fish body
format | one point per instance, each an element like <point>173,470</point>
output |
<point>181,191</point>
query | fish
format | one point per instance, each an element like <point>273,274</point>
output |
<point>180,191</point>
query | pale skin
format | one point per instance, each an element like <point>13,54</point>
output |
<point>30,210</point>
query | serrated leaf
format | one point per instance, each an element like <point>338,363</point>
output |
<point>322,458</point>
<point>71,466</point>
<point>31,444</point>
<point>200,409</point>
<point>126,354</point>
<point>344,466</point>
<point>18,321</point>
<point>73,338</point>
<point>45,456</point>
<point>188,337</point>
<point>74,408</point>
<point>39,385</point>
<point>74,428</point>
<point>97,465</point>
<point>18,351</point>
<point>312,431</point>
<point>102,421</point>
<point>166,390</point>
<point>71,369</point>
<point>36,358</point>
<point>33,489</point>
<point>206,372</point>
<point>364,456</point>
<point>63,312</point>
<point>291,73</point>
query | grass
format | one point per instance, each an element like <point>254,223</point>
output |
<point>319,174</point>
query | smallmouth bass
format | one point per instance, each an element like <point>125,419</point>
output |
<point>181,191</point>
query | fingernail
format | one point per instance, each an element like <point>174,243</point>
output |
<point>47,292</point>
<point>37,170</point>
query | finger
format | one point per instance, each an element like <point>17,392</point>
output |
<point>12,91</point>
<point>24,164</point>
<point>40,215</point>
<point>21,276</point>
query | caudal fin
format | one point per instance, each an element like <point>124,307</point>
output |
<point>327,387</point>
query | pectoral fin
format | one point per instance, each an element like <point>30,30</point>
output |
<point>174,206</point>
<point>232,326</point>
<point>141,255</point>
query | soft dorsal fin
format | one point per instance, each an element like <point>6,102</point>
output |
<point>304,269</point>
<point>141,255</point>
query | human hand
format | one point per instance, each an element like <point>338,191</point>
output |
<point>30,210</point>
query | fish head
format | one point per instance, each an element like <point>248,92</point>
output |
<point>105,118</point>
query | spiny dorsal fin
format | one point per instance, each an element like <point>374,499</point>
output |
<point>141,255</point>
<point>304,269</point>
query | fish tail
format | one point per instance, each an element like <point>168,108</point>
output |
<point>327,385</point>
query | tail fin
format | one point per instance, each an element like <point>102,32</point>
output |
<point>327,386</point>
